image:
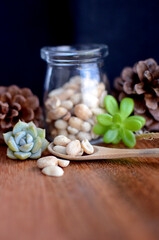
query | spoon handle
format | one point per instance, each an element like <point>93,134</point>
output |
<point>108,153</point>
<point>114,153</point>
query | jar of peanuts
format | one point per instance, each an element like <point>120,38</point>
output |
<point>75,87</point>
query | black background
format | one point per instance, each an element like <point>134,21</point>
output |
<point>129,28</point>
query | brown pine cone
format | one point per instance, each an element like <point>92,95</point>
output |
<point>141,82</point>
<point>18,103</point>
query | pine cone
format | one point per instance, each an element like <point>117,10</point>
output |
<point>18,104</point>
<point>141,82</point>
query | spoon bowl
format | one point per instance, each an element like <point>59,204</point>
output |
<point>108,153</point>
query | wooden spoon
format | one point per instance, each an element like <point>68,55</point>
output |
<point>108,153</point>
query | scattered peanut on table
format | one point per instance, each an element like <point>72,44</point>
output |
<point>54,171</point>
<point>49,165</point>
<point>47,161</point>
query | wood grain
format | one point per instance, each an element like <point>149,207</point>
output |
<point>111,199</point>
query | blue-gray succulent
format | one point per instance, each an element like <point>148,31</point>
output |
<point>25,141</point>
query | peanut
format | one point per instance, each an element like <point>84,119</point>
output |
<point>94,92</point>
<point>91,121</point>
<point>66,94</point>
<point>60,149</point>
<point>82,111</point>
<point>75,122</point>
<point>94,119</point>
<point>97,111</point>
<point>73,86</point>
<point>85,126</point>
<point>47,161</point>
<point>88,85</point>
<point>81,152</point>
<point>83,135</point>
<point>67,104</point>
<point>101,99</point>
<point>62,132</point>
<point>54,171</point>
<point>56,92</point>
<point>72,137</point>
<point>90,100</point>
<point>56,113</point>
<point>52,103</point>
<point>63,163</point>
<point>61,140</point>
<point>73,148</point>
<point>61,124</point>
<point>76,98</point>
<point>71,130</point>
<point>101,88</point>
<point>93,135</point>
<point>67,116</point>
<point>87,147</point>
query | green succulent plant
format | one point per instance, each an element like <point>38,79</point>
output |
<point>117,124</point>
<point>25,141</point>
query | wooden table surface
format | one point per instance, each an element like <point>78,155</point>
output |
<point>115,199</point>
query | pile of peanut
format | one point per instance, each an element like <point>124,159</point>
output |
<point>64,145</point>
<point>49,166</point>
<point>71,110</point>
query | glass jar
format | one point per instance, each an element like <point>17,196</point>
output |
<point>75,87</point>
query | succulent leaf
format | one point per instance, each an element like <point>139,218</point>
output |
<point>126,107</point>
<point>22,142</point>
<point>110,135</point>
<point>29,138</point>
<point>139,118</point>
<point>128,138</point>
<point>45,144</point>
<point>32,130</point>
<point>12,144</point>
<point>37,145</point>
<point>99,129</point>
<point>105,119</point>
<point>117,139</point>
<point>117,118</point>
<point>41,132</point>
<point>36,155</point>
<point>111,104</point>
<point>6,136</point>
<point>132,124</point>
<point>19,136</point>
<point>10,154</point>
<point>19,126</point>
<point>22,155</point>
<point>26,147</point>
